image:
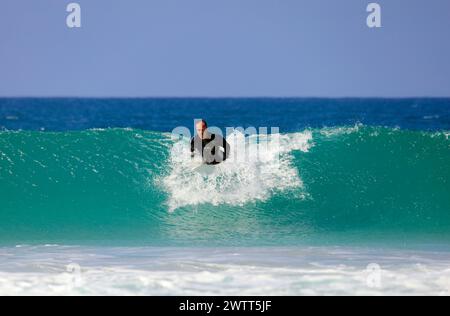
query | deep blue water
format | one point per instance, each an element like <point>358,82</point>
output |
<point>163,115</point>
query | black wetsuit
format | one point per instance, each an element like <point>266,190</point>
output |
<point>214,150</point>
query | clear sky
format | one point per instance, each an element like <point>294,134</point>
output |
<point>218,48</point>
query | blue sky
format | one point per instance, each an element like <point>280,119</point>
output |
<point>218,48</point>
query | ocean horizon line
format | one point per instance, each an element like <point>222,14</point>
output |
<point>234,97</point>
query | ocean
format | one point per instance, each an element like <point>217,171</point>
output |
<point>97,197</point>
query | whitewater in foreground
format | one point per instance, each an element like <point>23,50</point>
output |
<point>222,271</point>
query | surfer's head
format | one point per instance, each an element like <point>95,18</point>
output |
<point>201,126</point>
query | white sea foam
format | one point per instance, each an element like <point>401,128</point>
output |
<point>207,271</point>
<point>267,168</point>
<point>338,131</point>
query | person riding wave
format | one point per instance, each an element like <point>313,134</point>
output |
<point>213,148</point>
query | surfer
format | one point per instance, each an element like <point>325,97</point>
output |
<point>213,147</point>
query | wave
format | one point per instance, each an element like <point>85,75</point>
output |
<point>133,186</point>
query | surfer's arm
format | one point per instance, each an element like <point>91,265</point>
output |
<point>226,146</point>
<point>192,148</point>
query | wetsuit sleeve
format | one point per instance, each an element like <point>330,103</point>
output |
<point>192,147</point>
<point>226,146</point>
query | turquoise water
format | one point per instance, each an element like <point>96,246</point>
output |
<point>334,186</point>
